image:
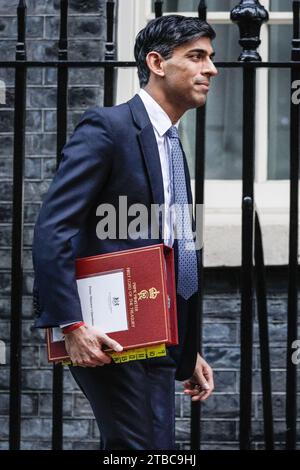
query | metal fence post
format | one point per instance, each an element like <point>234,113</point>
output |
<point>62,104</point>
<point>17,233</point>
<point>199,199</point>
<point>249,15</point>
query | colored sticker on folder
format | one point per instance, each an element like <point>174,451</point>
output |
<point>139,353</point>
<point>158,350</point>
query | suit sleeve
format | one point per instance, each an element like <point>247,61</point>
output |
<point>84,169</point>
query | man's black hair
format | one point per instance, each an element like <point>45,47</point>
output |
<point>163,35</point>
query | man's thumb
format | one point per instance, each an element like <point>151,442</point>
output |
<point>111,343</point>
<point>203,382</point>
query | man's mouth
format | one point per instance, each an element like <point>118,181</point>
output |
<point>205,85</point>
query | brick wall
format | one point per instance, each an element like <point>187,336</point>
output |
<point>220,426</point>
<point>222,289</point>
<point>87,29</point>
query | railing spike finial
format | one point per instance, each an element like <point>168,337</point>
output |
<point>110,45</point>
<point>202,8</point>
<point>21,46</point>
<point>249,15</point>
<point>158,8</point>
<point>63,31</point>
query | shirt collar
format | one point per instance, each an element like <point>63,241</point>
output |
<point>158,117</point>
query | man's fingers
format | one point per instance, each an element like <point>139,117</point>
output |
<point>111,343</point>
<point>195,387</point>
<point>208,375</point>
<point>188,385</point>
<point>203,382</point>
<point>211,383</point>
<point>94,360</point>
<point>198,392</point>
<point>97,355</point>
<point>202,396</point>
<point>88,349</point>
<point>194,391</point>
<point>200,386</point>
<point>99,359</point>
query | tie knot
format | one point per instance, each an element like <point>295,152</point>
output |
<point>172,133</point>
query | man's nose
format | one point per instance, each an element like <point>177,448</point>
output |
<point>210,68</point>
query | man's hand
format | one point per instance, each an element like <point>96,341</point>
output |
<point>201,384</point>
<point>84,346</point>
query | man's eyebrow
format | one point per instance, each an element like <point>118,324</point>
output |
<point>201,51</point>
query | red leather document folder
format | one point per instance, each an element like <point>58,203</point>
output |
<point>130,295</point>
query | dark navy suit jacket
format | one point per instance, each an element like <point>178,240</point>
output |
<point>112,152</point>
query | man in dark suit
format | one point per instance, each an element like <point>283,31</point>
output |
<point>133,151</point>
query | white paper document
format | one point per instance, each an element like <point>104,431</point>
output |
<point>103,303</point>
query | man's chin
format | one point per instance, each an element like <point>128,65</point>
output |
<point>200,101</point>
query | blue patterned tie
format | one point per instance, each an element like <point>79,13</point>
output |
<point>187,283</point>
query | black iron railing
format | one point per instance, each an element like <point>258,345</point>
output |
<point>249,15</point>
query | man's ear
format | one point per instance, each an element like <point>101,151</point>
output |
<point>155,63</point>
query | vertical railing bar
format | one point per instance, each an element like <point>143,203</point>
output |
<point>291,368</point>
<point>62,97</point>
<point>262,314</point>
<point>158,8</point>
<point>249,17</point>
<point>247,258</point>
<point>109,71</point>
<point>195,437</point>
<point>17,234</point>
<point>199,199</point>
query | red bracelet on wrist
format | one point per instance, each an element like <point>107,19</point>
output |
<point>73,327</point>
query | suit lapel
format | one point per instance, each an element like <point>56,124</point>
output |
<point>148,144</point>
<point>152,161</point>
